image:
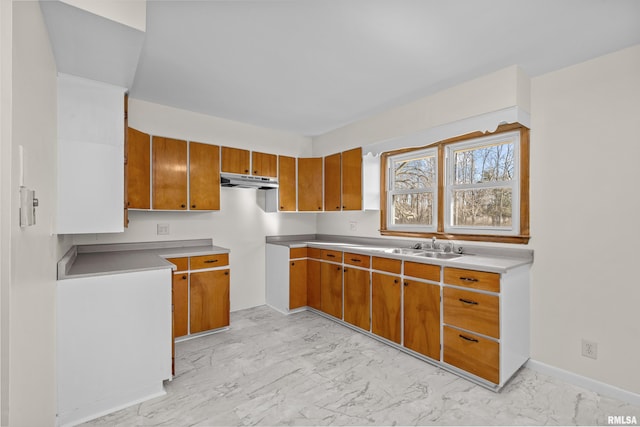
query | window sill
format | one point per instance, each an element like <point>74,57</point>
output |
<point>468,237</point>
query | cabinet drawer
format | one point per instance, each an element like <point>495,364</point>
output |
<point>387,264</point>
<point>472,311</point>
<point>422,271</point>
<point>335,256</point>
<point>357,259</point>
<point>297,253</point>
<point>209,261</point>
<point>472,353</point>
<point>472,279</point>
<point>314,253</point>
<point>182,264</point>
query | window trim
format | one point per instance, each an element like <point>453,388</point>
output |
<point>524,232</point>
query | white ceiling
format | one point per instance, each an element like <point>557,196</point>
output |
<point>310,66</point>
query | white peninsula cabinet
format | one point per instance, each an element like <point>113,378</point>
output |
<point>113,342</point>
<point>90,156</point>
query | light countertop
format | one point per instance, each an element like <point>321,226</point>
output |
<point>95,260</point>
<point>491,259</point>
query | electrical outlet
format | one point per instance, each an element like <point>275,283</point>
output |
<point>589,349</point>
<point>353,225</point>
<point>163,229</point>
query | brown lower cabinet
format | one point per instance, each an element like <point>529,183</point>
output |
<point>472,353</point>
<point>180,292</point>
<point>209,304</point>
<point>297,283</point>
<point>313,284</point>
<point>422,318</point>
<point>331,289</point>
<point>385,306</point>
<point>356,297</point>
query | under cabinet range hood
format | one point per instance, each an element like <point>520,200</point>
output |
<point>248,181</point>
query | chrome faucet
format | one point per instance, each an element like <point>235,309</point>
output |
<point>433,243</point>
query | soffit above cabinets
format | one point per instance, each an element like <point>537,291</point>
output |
<point>91,46</point>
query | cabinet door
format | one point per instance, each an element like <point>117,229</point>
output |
<point>235,160</point>
<point>356,297</point>
<point>385,306</point>
<point>331,289</point>
<point>332,187</point>
<point>204,176</point>
<point>422,318</point>
<point>287,183</point>
<point>263,164</point>
<point>310,184</point>
<point>138,169</point>
<point>313,284</point>
<point>352,180</point>
<point>209,300</point>
<point>169,173</point>
<point>297,283</point>
<point>180,292</point>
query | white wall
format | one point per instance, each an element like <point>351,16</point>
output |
<point>584,206</point>
<point>34,250</point>
<point>6,37</point>
<point>240,225</point>
<point>585,146</point>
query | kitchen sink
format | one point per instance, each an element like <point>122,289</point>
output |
<point>439,255</point>
<point>404,251</point>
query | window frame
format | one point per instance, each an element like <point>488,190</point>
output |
<point>428,152</point>
<point>520,225</point>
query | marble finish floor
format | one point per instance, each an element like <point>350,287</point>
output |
<point>302,369</point>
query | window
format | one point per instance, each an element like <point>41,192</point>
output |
<point>413,190</point>
<point>473,187</point>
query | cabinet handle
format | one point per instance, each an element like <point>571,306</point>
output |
<point>344,207</point>
<point>345,270</point>
<point>210,261</point>
<point>406,283</point>
<point>193,206</point>
<point>281,207</point>
<point>293,263</point>
<point>395,281</point>
<point>184,277</point>
<point>226,273</point>
<point>467,338</point>
<point>331,256</point>
<point>467,301</point>
<point>337,207</point>
<point>319,208</point>
<point>255,172</point>
<point>356,260</point>
<point>339,268</point>
<point>183,205</point>
<point>246,171</point>
<point>469,279</point>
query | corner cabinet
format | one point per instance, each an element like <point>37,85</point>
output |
<point>471,322</point>
<point>90,165</point>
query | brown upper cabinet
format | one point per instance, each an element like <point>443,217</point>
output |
<point>235,160</point>
<point>264,164</point>
<point>310,184</point>
<point>169,173</point>
<point>204,176</point>
<point>352,180</point>
<point>287,183</point>
<point>138,169</point>
<point>332,184</point>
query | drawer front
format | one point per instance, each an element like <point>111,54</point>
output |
<point>314,253</point>
<point>357,259</point>
<point>327,255</point>
<point>297,253</point>
<point>472,353</point>
<point>472,279</point>
<point>472,311</point>
<point>422,271</point>
<point>387,264</point>
<point>182,264</point>
<point>209,261</point>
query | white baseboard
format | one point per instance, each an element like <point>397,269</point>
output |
<point>585,382</point>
